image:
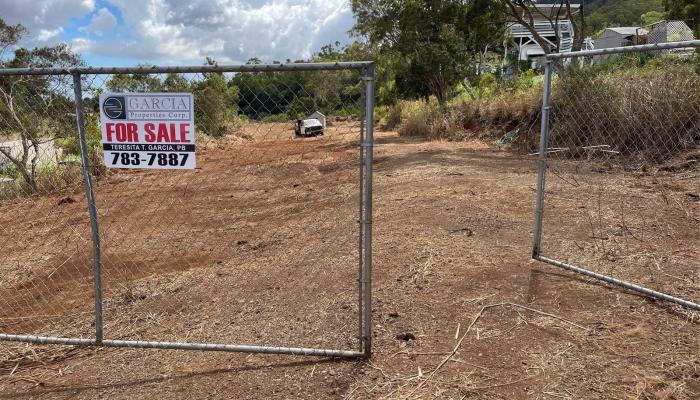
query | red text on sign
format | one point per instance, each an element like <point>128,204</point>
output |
<point>127,132</point>
<point>121,132</point>
<point>167,133</point>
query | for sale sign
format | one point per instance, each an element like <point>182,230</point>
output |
<point>148,130</point>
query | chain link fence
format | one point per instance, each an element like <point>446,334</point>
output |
<point>620,147</point>
<point>666,31</point>
<point>262,243</point>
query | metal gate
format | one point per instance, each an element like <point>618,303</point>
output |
<point>171,259</point>
<point>619,148</point>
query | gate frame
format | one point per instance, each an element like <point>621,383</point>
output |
<point>366,152</point>
<point>542,168</point>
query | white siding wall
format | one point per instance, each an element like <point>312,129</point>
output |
<point>47,151</point>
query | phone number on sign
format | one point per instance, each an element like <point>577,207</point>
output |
<point>151,159</point>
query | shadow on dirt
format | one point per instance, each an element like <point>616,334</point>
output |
<point>542,281</point>
<point>76,389</point>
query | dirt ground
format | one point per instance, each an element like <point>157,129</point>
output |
<point>259,246</point>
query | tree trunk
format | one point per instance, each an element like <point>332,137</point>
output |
<point>528,21</point>
<point>21,164</point>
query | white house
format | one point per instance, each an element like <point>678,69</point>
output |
<point>560,32</point>
<point>47,151</point>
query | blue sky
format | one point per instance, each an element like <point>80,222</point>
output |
<point>128,32</point>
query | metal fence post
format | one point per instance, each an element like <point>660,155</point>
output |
<point>542,166</point>
<point>92,209</point>
<point>366,278</point>
<point>361,236</point>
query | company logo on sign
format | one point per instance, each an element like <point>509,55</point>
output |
<point>113,107</point>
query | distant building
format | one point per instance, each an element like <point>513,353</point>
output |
<point>47,151</point>
<point>560,32</point>
<point>669,31</point>
<point>660,32</point>
<point>620,37</point>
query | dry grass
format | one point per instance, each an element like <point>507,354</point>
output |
<point>452,241</point>
<point>648,113</point>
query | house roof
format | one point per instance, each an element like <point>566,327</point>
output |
<point>673,24</point>
<point>627,30</point>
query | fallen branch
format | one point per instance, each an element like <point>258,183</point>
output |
<point>476,318</point>
<point>456,348</point>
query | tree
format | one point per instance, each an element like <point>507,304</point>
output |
<point>175,83</point>
<point>686,10</point>
<point>526,13</point>
<point>652,17</point>
<point>9,36</point>
<point>434,41</point>
<point>216,103</point>
<point>135,82</point>
<point>34,108</point>
<point>267,93</point>
<point>604,14</point>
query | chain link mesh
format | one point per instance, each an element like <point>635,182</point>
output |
<point>667,32</point>
<point>623,171</point>
<point>44,239</point>
<point>258,244</point>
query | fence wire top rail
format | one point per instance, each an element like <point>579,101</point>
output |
<point>626,49</point>
<point>325,66</point>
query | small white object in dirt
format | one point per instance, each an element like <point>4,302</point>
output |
<point>319,117</point>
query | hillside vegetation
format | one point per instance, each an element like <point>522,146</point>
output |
<point>449,79</point>
<point>633,105</point>
<point>606,13</point>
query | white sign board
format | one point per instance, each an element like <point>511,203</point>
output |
<point>148,130</point>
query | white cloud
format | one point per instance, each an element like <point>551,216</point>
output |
<point>187,31</point>
<point>48,15</point>
<point>229,30</point>
<point>81,45</point>
<point>45,34</point>
<point>102,22</point>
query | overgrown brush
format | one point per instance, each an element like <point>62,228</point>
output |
<point>465,118</point>
<point>647,113</point>
<point>420,118</point>
<point>50,178</point>
<point>647,108</point>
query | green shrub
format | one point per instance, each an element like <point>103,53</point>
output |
<point>216,111</point>
<point>9,170</point>
<point>420,118</point>
<point>528,80</point>
<point>393,116</point>
<point>276,118</point>
<point>349,111</point>
<point>50,178</point>
<point>93,139</point>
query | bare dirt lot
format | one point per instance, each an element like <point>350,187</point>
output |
<point>259,246</point>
